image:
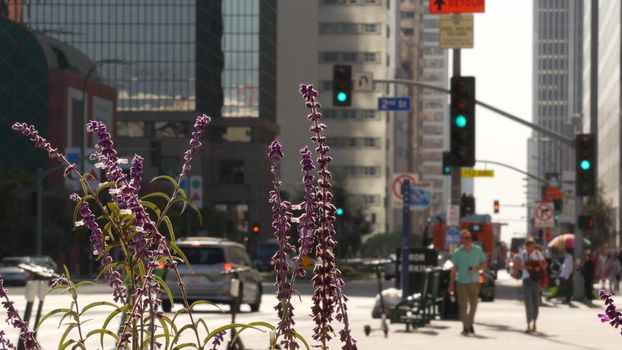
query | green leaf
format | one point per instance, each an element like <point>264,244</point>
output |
<point>156,195</point>
<point>103,187</point>
<point>52,313</point>
<point>184,199</point>
<point>166,335</point>
<point>114,210</point>
<point>185,345</point>
<point>167,178</point>
<point>181,255</point>
<point>96,304</point>
<point>165,287</point>
<point>242,327</point>
<point>85,283</point>
<point>169,225</point>
<point>65,334</point>
<point>200,302</point>
<point>65,345</point>
<point>153,207</point>
<point>253,325</point>
<point>181,330</point>
<point>197,210</point>
<point>102,332</point>
<point>113,314</point>
<point>302,339</point>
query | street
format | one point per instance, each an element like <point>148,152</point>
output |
<point>497,324</point>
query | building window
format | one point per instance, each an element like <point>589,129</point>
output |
<point>353,142</point>
<point>232,171</point>
<point>130,129</point>
<point>358,170</point>
<point>351,114</point>
<point>407,14</point>
<point>408,31</point>
<point>348,57</point>
<point>171,129</point>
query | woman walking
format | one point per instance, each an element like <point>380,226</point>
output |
<point>532,264</point>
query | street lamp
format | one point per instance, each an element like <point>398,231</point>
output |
<point>85,107</point>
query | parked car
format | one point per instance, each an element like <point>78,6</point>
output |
<point>11,273</point>
<point>211,259</point>
<point>45,261</point>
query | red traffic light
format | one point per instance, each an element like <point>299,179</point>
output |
<point>496,207</point>
<point>586,222</point>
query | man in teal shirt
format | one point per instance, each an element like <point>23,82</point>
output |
<point>468,259</point>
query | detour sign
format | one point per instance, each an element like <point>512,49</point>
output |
<point>457,6</point>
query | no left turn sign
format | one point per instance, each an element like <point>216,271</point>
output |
<point>544,213</point>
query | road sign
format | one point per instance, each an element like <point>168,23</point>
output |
<point>465,172</point>
<point>452,236</point>
<point>196,190</point>
<point>363,81</point>
<point>453,215</point>
<point>420,194</point>
<point>457,6</point>
<point>544,214</point>
<point>456,31</point>
<point>394,103</point>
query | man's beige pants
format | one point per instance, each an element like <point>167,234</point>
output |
<point>468,293</point>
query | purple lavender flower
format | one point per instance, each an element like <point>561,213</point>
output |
<point>307,220</point>
<point>112,277</point>
<point>13,318</point>
<point>199,128</point>
<point>5,344</point>
<point>612,315</point>
<point>136,172</point>
<point>281,217</point>
<point>327,278</point>
<point>218,338</point>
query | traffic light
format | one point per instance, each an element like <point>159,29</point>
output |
<point>342,85</point>
<point>467,205</point>
<point>585,165</point>
<point>462,119</point>
<point>255,229</point>
<point>496,206</point>
<point>446,163</point>
<point>586,222</point>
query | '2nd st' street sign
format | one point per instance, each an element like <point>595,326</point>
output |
<point>394,104</point>
<point>457,6</point>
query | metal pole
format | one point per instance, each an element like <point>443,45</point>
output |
<point>405,238</point>
<point>578,251</point>
<point>456,178</point>
<point>40,211</point>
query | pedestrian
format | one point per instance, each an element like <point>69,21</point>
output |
<point>613,272</point>
<point>588,269</point>
<point>533,265</point>
<point>602,268</point>
<point>566,275</point>
<point>467,260</point>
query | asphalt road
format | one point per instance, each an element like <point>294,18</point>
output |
<point>499,325</point>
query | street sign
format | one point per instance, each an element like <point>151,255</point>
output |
<point>453,215</point>
<point>465,172</point>
<point>363,81</point>
<point>452,236</point>
<point>420,194</point>
<point>394,103</point>
<point>544,214</point>
<point>457,6</point>
<point>196,190</point>
<point>456,31</point>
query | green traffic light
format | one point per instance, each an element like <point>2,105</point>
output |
<point>446,170</point>
<point>461,121</point>
<point>342,96</point>
<point>339,211</point>
<point>585,165</point>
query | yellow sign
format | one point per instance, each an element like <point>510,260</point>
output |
<point>477,172</point>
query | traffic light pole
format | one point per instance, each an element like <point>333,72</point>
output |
<point>456,176</point>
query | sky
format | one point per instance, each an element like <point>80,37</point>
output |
<point>501,61</point>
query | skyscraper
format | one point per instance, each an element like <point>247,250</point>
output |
<point>557,87</point>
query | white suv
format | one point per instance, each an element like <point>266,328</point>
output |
<point>210,260</point>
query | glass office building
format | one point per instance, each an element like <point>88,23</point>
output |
<point>161,42</point>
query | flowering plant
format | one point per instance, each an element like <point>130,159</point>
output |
<point>143,231</point>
